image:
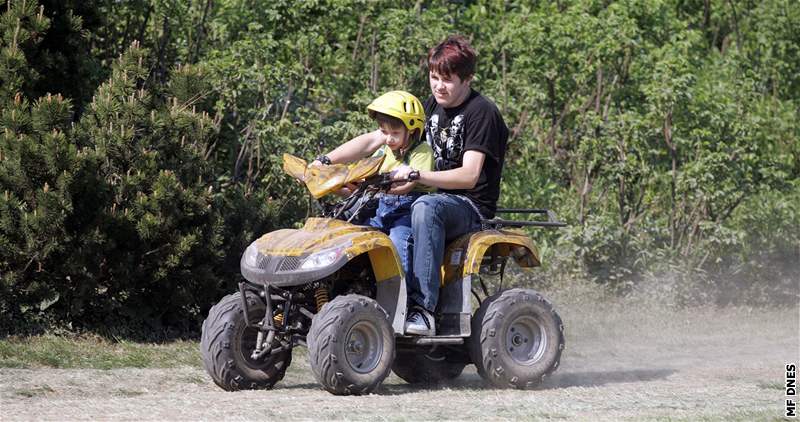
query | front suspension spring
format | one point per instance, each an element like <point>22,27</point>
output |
<point>321,295</point>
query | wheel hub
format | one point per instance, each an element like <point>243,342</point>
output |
<point>526,340</point>
<point>355,346</point>
<point>364,347</point>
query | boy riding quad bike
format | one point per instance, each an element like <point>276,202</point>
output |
<point>339,289</point>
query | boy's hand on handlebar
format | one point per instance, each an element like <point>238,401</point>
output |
<point>403,180</point>
<point>402,173</point>
<point>347,189</point>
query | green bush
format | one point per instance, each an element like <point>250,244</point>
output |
<point>664,132</point>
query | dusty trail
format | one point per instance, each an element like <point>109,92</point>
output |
<point>713,364</point>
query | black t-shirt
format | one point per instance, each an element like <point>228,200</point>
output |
<point>477,125</point>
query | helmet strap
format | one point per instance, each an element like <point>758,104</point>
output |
<point>405,153</point>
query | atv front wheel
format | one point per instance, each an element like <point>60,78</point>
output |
<point>517,339</point>
<point>420,368</point>
<point>351,345</point>
<point>227,343</point>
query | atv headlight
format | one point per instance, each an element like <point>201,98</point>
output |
<point>322,259</point>
<point>251,255</point>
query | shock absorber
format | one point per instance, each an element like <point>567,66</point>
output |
<point>321,295</point>
<point>278,318</point>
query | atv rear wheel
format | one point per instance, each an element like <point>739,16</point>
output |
<point>351,345</point>
<point>517,339</point>
<point>227,343</point>
<point>426,369</point>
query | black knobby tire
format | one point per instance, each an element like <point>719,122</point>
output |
<point>422,369</point>
<point>226,345</point>
<point>351,345</point>
<point>517,339</point>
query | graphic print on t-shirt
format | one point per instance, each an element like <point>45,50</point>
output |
<point>447,142</point>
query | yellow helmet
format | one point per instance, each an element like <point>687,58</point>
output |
<point>402,105</point>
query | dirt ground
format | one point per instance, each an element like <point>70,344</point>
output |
<point>621,362</point>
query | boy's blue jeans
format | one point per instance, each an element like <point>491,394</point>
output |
<point>393,217</point>
<point>436,219</point>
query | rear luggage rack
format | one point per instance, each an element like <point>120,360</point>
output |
<point>496,223</point>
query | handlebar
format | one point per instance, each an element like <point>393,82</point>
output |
<point>366,190</point>
<point>385,181</point>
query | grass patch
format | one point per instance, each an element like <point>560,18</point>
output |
<point>744,415</point>
<point>129,393</point>
<point>34,392</point>
<point>194,379</point>
<point>87,351</point>
<point>771,385</point>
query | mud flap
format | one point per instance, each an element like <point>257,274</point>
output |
<point>456,308</point>
<point>392,298</point>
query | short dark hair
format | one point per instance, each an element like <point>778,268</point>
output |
<point>453,55</point>
<point>391,121</point>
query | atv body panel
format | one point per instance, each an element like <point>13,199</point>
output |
<point>462,263</point>
<point>323,180</point>
<point>281,258</point>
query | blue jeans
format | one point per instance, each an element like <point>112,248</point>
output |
<point>436,219</point>
<point>393,217</point>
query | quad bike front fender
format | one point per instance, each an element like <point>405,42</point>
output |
<point>321,247</point>
<point>280,258</point>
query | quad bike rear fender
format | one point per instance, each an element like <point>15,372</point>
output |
<point>463,260</point>
<point>465,255</point>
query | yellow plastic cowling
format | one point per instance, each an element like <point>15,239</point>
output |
<point>295,167</point>
<point>383,258</point>
<point>325,233</point>
<point>363,168</point>
<point>464,256</point>
<point>322,180</point>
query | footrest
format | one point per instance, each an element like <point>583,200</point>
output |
<point>430,341</point>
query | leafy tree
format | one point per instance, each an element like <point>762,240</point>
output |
<point>114,215</point>
<point>141,140</point>
<point>37,166</point>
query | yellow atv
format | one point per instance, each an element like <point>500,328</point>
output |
<point>339,289</point>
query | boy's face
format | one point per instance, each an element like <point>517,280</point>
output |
<point>395,138</point>
<point>449,90</point>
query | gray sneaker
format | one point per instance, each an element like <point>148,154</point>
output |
<point>420,322</point>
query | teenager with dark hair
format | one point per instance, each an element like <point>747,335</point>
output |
<point>468,137</point>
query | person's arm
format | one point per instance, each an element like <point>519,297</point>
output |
<point>356,148</point>
<point>464,177</point>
